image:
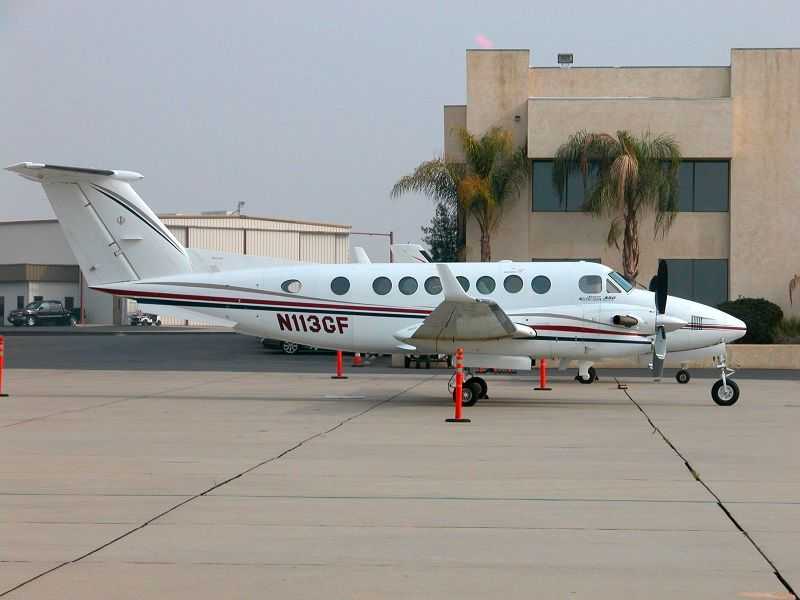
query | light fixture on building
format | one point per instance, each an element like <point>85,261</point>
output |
<point>517,118</point>
<point>565,60</point>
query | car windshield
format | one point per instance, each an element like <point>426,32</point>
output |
<point>33,305</point>
<point>621,281</point>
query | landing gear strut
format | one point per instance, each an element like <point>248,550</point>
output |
<point>725,392</point>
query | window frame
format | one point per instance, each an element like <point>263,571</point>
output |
<point>382,277</point>
<point>541,277</point>
<point>431,279</point>
<point>485,278</point>
<point>586,278</point>
<point>515,277</point>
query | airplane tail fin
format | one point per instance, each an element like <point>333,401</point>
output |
<point>112,232</point>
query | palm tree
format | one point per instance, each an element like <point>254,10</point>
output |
<point>491,175</point>
<point>631,177</point>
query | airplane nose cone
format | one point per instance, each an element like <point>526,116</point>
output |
<point>740,328</point>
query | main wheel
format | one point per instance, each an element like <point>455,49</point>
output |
<point>682,376</point>
<point>592,376</point>
<point>290,347</point>
<point>482,385</point>
<point>470,392</point>
<point>725,393</point>
<point>30,321</point>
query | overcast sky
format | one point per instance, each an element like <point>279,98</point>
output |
<point>307,110</point>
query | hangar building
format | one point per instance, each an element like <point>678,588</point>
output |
<point>36,263</point>
<point>738,126</point>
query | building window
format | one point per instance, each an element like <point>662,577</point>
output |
<point>69,302</point>
<point>704,186</point>
<point>545,194</point>
<point>2,310</point>
<point>20,302</point>
<point>38,298</point>
<point>699,279</point>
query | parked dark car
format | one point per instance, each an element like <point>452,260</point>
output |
<point>287,347</point>
<point>42,312</point>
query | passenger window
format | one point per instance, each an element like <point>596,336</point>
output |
<point>293,286</point>
<point>382,286</point>
<point>485,285</point>
<point>540,284</point>
<point>611,287</point>
<point>340,285</point>
<point>433,285</point>
<point>464,282</point>
<point>513,284</point>
<point>408,285</point>
<point>591,284</point>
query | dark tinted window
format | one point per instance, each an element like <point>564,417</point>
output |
<point>407,285</point>
<point>382,286</point>
<point>340,285</point>
<point>433,285</point>
<point>2,308</point>
<point>545,194</point>
<point>464,282</point>
<point>701,280</point>
<point>513,284</point>
<point>38,298</point>
<point>711,186</point>
<point>686,186</point>
<point>485,285</point>
<point>69,302</point>
<point>540,284</point>
<point>20,302</point>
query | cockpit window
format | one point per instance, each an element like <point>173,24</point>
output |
<point>621,281</point>
<point>611,287</point>
<point>591,284</point>
<point>293,286</point>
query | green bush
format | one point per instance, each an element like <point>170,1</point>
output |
<point>761,317</point>
<point>789,331</point>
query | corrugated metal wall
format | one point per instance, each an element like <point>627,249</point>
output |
<point>310,242</point>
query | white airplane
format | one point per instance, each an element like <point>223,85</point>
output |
<point>502,314</point>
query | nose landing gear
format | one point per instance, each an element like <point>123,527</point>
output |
<point>474,389</point>
<point>725,392</point>
<point>586,378</point>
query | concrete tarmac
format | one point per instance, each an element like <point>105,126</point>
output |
<point>269,479</point>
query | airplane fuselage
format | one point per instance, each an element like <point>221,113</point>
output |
<point>361,307</point>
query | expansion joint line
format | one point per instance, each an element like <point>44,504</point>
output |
<point>216,486</point>
<point>720,503</point>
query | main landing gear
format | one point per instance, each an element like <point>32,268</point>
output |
<point>473,389</point>
<point>586,375</point>
<point>683,376</point>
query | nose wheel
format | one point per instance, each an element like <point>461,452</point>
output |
<point>725,392</point>
<point>590,377</point>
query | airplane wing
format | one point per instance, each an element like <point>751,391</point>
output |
<point>462,317</point>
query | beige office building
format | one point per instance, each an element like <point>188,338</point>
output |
<point>738,229</point>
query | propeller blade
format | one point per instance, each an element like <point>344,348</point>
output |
<point>659,352</point>
<point>662,287</point>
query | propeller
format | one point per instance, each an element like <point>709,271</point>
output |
<point>660,283</point>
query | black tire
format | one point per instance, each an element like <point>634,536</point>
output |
<point>470,394</point>
<point>725,395</point>
<point>591,379</point>
<point>30,321</point>
<point>290,348</point>
<point>683,376</point>
<point>484,387</point>
<point>265,344</point>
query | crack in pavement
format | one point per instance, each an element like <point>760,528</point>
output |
<point>696,475</point>
<point>216,486</point>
